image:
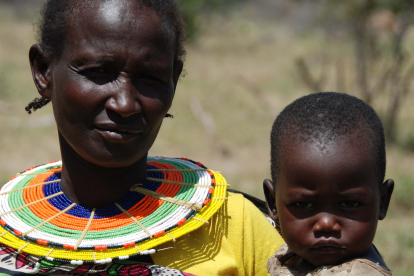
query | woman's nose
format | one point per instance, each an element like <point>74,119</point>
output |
<point>326,223</point>
<point>124,100</point>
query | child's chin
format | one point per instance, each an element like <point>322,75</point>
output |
<point>327,259</point>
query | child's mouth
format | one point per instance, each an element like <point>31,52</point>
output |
<point>327,246</point>
<point>327,249</point>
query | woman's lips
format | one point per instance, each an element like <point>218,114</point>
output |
<point>119,133</point>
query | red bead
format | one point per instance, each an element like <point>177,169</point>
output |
<point>129,244</point>
<point>39,241</point>
<point>181,222</point>
<point>14,177</point>
<point>213,180</point>
<point>101,247</point>
<point>206,202</point>
<point>210,191</point>
<point>2,222</point>
<point>199,164</point>
<point>31,168</point>
<point>52,162</point>
<point>185,159</point>
<point>159,234</point>
<point>210,173</point>
<point>18,233</point>
<point>67,246</point>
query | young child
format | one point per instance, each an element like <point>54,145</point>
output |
<point>327,193</point>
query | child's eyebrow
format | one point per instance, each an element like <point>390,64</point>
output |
<point>353,194</point>
<point>299,195</point>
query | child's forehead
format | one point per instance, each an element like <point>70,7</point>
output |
<point>312,163</point>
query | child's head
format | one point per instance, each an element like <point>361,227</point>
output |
<point>328,166</point>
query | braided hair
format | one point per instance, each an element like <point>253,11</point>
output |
<point>52,28</point>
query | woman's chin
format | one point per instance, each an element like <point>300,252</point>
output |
<point>113,159</point>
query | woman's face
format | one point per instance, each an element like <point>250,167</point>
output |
<point>114,83</point>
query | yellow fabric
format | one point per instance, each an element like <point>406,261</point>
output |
<point>238,241</point>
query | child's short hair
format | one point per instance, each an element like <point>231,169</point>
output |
<point>326,117</point>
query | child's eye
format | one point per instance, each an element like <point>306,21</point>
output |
<point>350,204</point>
<point>304,205</point>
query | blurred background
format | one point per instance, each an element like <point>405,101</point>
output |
<point>246,60</point>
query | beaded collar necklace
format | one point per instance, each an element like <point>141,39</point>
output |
<point>178,197</point>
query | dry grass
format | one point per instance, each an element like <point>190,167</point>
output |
<point>240,74</point>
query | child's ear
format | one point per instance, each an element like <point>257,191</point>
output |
<point>41,70</point>
<point>269,192</point>
<point>386,190</point>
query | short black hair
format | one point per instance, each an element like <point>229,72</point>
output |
<point>325,117</point>
<point>52,28</point>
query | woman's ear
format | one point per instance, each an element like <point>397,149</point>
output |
<point>269,192</point>
<point>386,190</point>
<point>41,70</point>
<point>177,70</point>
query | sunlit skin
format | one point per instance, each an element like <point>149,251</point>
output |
<point>328,202</point>
<point>110,91</point>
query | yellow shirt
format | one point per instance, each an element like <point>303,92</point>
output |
<point>238,241</point>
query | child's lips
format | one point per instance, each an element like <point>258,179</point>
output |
<point>327,249</point>
<point>327,246</point>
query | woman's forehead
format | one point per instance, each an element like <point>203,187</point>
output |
<point>111,13</point>
<point>118,25</point>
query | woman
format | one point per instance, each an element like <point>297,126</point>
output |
<point>110,69</point>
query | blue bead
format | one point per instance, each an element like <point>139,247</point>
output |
<point>130,199</point>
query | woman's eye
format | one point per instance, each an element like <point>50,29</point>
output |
<point>98,75</point>
<point>350,204</point>
<point>304,205</point>
<point>96,71</point>
<point>150,78</point>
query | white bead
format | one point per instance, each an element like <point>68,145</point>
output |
<point>80,263</point>
<point>73,262</point>
<point>152,251</point>
<point>145,252</point>
<point>124,257</point>
<point>109,260</point>
<point>49,258</point>
<point>37,268</point>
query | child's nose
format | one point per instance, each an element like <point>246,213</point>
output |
<point>326,223</point>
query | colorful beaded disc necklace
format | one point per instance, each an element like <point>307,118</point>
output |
<point>36,217</point>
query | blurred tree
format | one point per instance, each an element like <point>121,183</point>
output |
<point>193,8</point>
<point>365,21</point>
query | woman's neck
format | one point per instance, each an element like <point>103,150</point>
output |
<point>93,186</point>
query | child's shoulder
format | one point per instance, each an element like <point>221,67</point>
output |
<point>287,263</point>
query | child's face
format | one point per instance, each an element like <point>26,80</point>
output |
<point>328,202</point>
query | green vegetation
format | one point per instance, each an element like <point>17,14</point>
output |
<point>192,9</point>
